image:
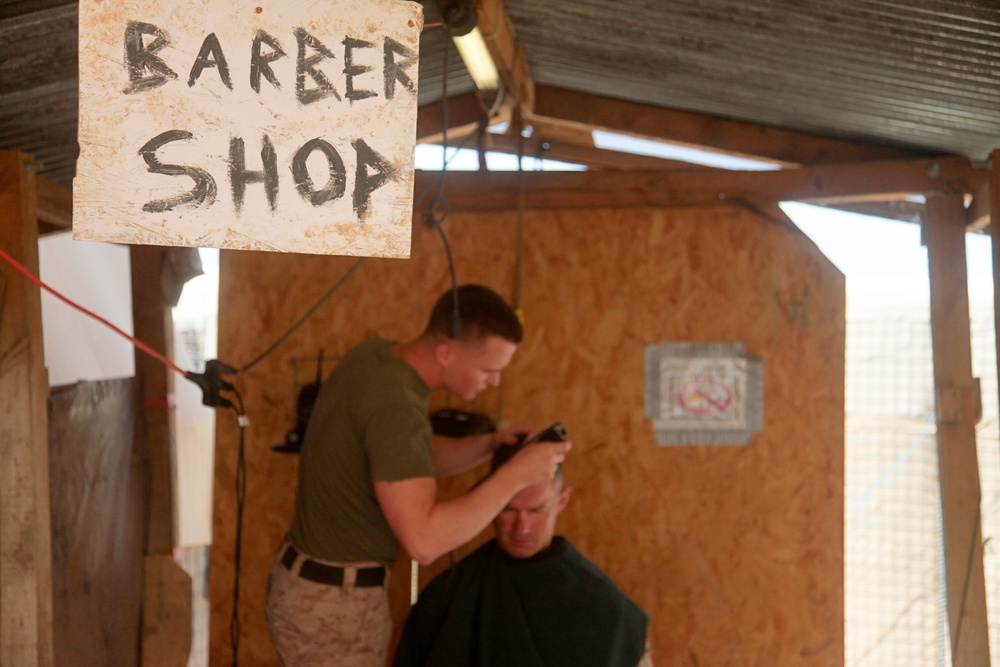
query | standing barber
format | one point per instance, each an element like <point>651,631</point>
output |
<point>367,480</point>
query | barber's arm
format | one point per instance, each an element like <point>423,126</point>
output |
<point>452,456</point>
<point>428,528</point>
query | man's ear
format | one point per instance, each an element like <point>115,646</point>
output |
<point>444,352</point>
<point>564,495</point>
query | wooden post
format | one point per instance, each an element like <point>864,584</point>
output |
<point>25,539</point>
<point>994,231</point>
<point>166,604</point>
<point>958,410</point>
<point>152,323</point>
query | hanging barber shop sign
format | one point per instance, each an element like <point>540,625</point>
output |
<point>284,125</point>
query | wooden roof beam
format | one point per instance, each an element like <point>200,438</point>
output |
<point>465,113</point>
<point>55,207</point>
<point>573,144</point>
<point>498,31</point>
<point>977,215</point>
<point>561,145</point>
<point>832,184</point>
<point>784,147</point>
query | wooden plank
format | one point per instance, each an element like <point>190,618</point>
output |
<point>151,320</point>
<point>994,231</point>
<point>699,130</point>
<point>166,619</point>
<point>55,206</point>
<point>498,31</point>
<point>25,547</point>
<point>465,112</point>
<point>957,412</point>
<point>98,482</point>
<point>978,214</point>
<point>572,145</point>
<point>558,146</point>
<point>830,184</point>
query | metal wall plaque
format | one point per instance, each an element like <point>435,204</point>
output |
<point>703,393</point>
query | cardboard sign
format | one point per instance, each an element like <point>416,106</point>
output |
<point>283,125</point>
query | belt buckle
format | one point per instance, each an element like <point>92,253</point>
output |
<point>288,558</point>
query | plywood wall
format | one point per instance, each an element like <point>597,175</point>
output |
<point>736,552</point>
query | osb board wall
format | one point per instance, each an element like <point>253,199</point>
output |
<point>736,552</point>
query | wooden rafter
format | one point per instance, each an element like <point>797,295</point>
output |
<point>498,31</point>
<point>785,147</point>
<point>977,215</point>
<point>55,207</point>
<point>465,113</point>
<point>544,145</point>
<point>608,189</point>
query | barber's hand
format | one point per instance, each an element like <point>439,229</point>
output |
<point>537,463</point>
<point>509,436</point>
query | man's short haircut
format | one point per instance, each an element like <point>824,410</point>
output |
<point>482,312</point>
<point>505,453</point>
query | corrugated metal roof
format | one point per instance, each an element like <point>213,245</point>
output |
<point>914,73</point>
<point>38,85</point>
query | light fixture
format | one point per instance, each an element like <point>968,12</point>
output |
<point>478,61</point>
<point>460,18</point>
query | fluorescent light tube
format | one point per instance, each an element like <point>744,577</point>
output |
<point>477,59</point>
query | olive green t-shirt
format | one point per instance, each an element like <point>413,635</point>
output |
<point>370,423</point>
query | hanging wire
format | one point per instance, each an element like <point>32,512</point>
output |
<point>519,267</point>
<point>438,203</point>
<point>309,313</point>
<point>241,494</point>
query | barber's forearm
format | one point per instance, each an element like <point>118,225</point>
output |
<point>453,456</point>
<point>458,521</point>
<point>428,528</point>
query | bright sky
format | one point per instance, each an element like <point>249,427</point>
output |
<point>201,294</point>
<point>883,259</point>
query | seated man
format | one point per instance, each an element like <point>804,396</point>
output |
<point>526,598</point>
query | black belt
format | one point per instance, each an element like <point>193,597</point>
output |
<point>332,575</point>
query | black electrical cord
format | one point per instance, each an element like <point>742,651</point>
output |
<point>438,203</point>
<point>455,325</point>
<point>241,492</point>
<point>302,320</point>
<point>480,128</point>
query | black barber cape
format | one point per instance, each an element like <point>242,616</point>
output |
<point>555,608</point>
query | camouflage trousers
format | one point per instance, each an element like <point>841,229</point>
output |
<point>319,625</point>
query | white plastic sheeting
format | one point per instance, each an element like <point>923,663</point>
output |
<point>98,277</point>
